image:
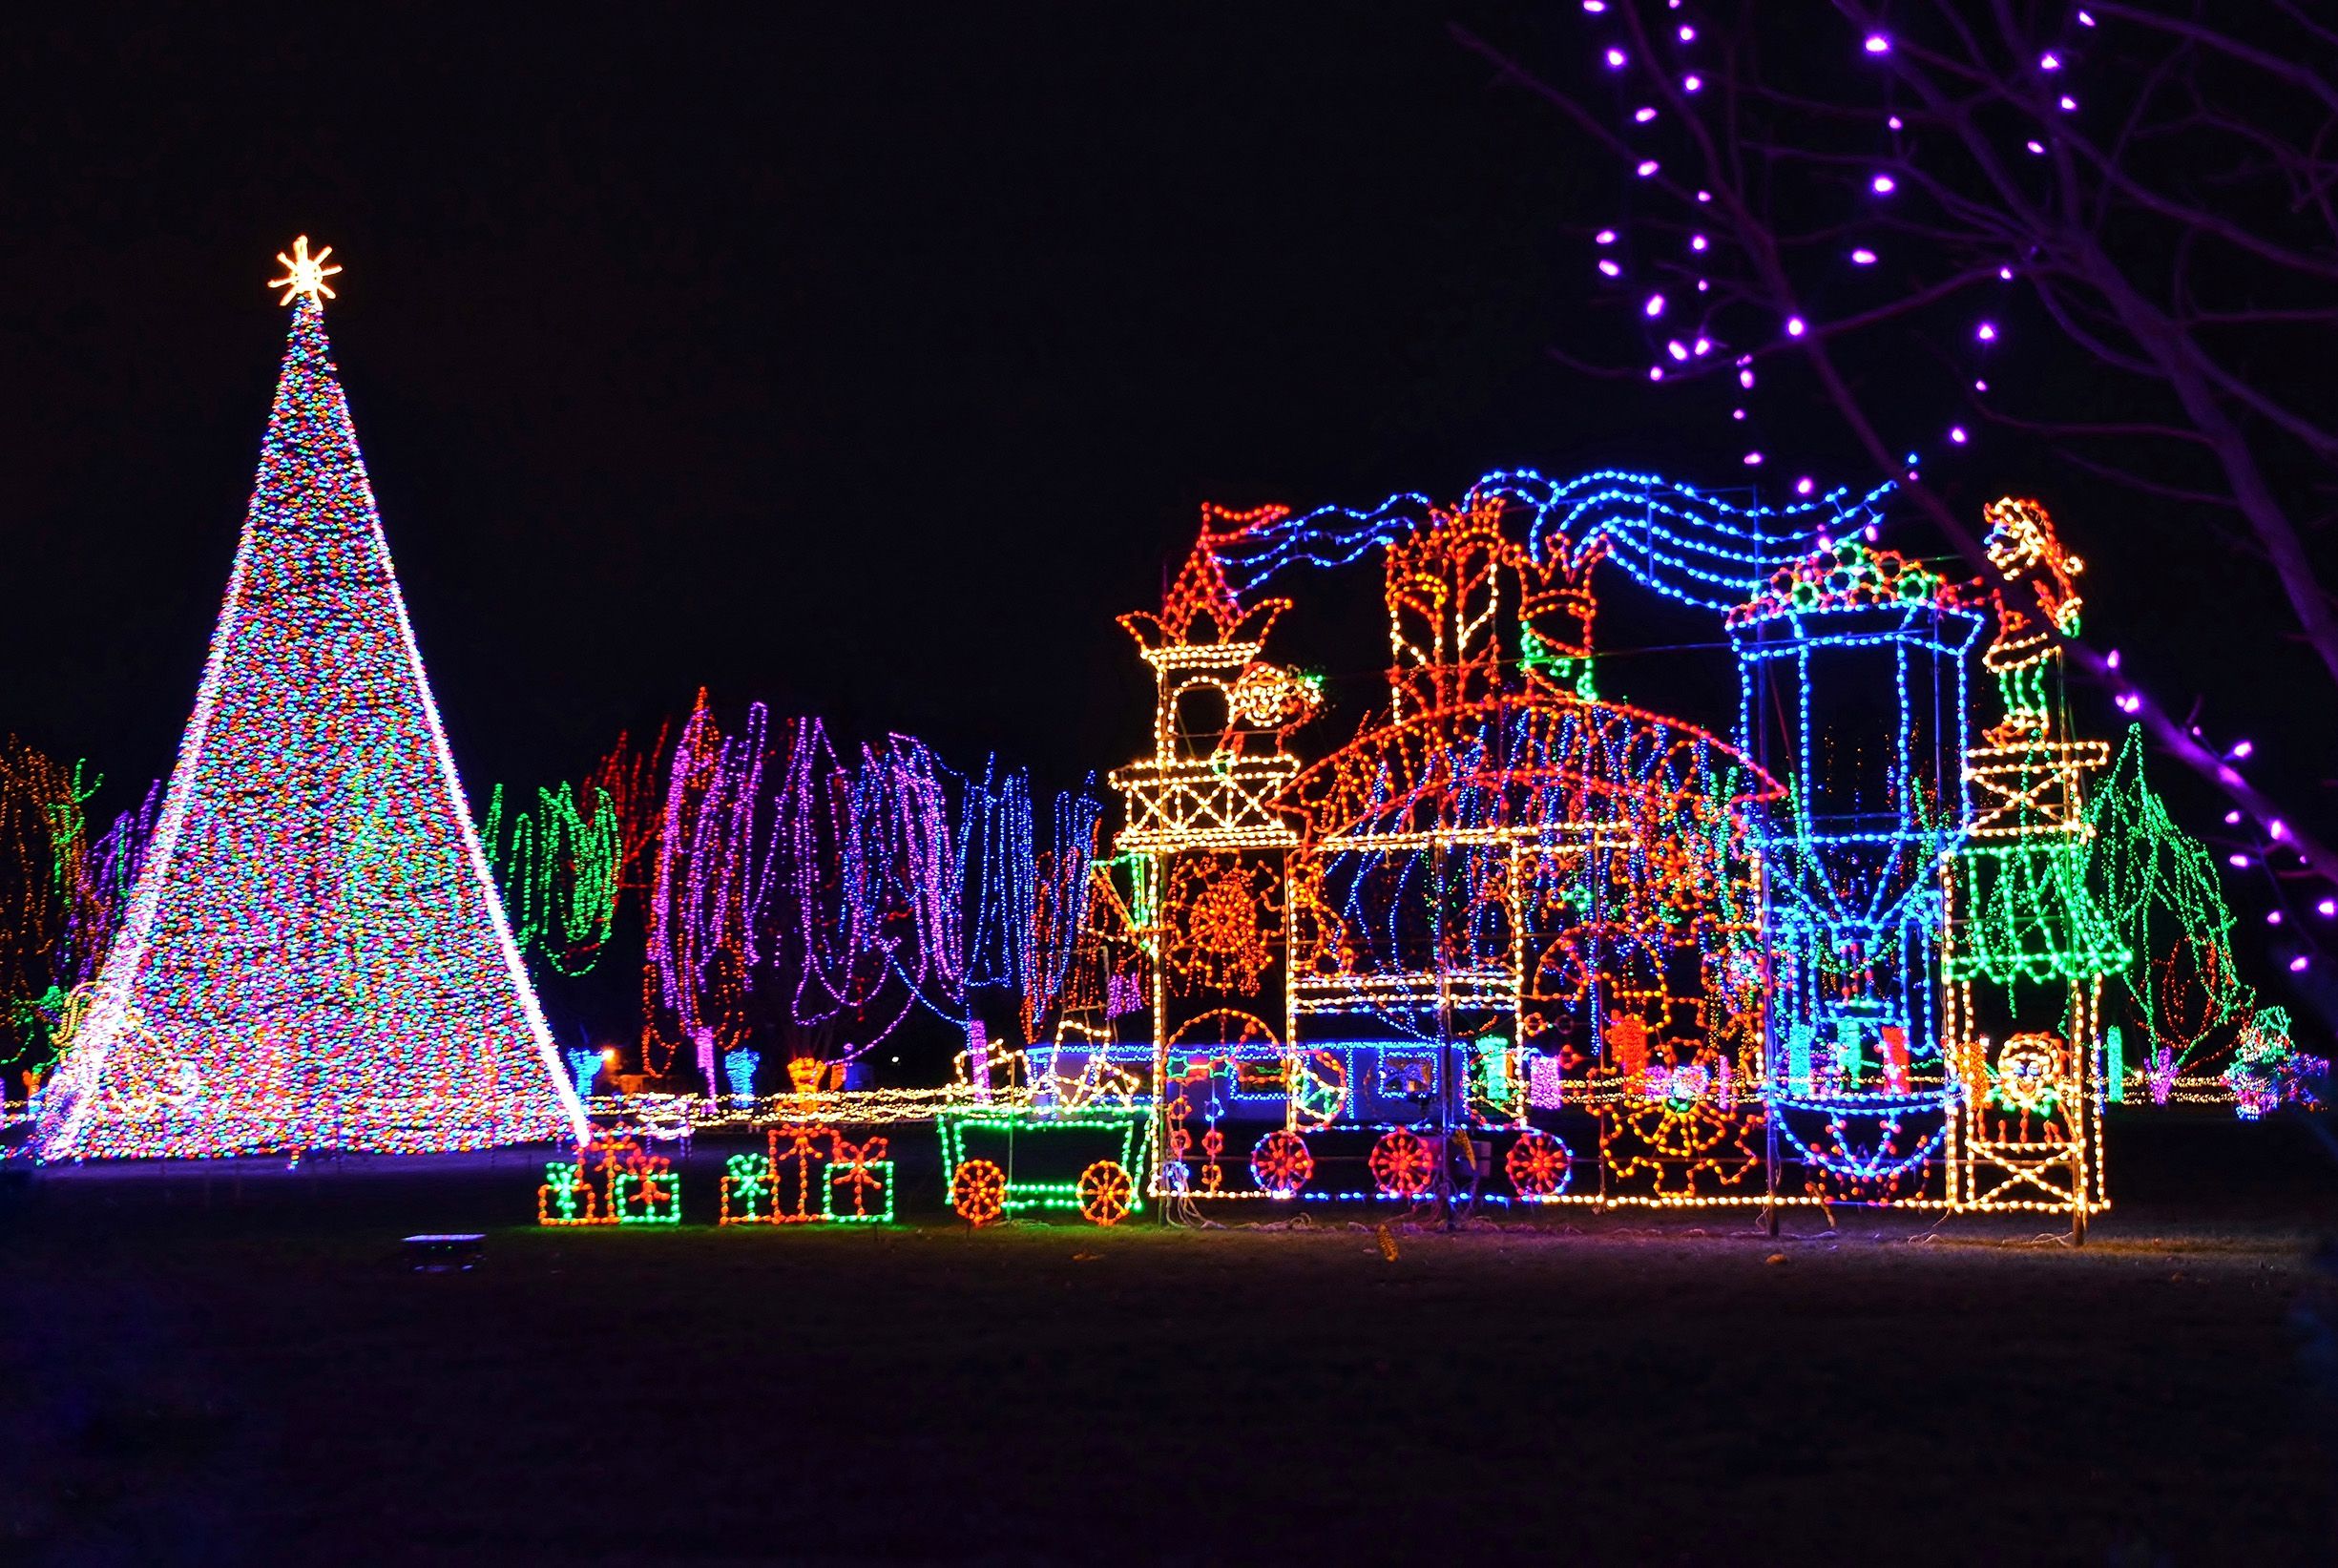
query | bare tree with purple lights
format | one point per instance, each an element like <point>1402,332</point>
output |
<point>2152,192</point>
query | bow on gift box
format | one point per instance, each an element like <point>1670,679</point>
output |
<point>799,1143</point>
<point>618,1152</point>
<point>750,1180</point>
<point>850,1163</point>
<point>652,1171</point>
<point>801,1139</point>
<point>566,1196</point>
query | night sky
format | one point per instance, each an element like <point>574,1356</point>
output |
<point>863,362</point>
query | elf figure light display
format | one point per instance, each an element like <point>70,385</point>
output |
<point>2025,947</point>
<point>314,955</point>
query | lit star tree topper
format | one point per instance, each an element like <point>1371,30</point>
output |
<point>305,273</point>
<point>313,956</point>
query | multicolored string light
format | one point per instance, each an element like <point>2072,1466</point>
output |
<point>313,956</point>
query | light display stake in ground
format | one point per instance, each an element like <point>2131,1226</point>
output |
<point>314,955</point>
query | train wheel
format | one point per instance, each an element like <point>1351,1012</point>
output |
<point>1537,1165</point>
<point>1400,1165</point>
<point>1104,1193</point>
<point>1281,1163</point>
<point>978,1192</point>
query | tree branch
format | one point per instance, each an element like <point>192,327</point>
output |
<point>2153,487</point>
<point>2208,38</point>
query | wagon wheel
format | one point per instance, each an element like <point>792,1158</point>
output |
<point>978,1192</point>
<point>1537,1165</point>
<point>1281,1163</point>
<point>1400,1165</point>
<point>1104,1193</point>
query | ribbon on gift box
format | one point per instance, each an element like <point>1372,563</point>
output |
<point>849,1163</point>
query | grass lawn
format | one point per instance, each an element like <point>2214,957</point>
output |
<point>233,1368</point>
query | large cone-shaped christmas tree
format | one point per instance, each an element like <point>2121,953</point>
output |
<point>314,955</point>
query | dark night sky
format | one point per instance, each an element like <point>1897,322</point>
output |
<point>864,365</point>
<point>864,360</point>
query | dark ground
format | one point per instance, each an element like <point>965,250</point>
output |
<point>233,1368</point>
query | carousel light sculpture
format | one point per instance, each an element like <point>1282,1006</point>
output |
<point>1512,868</point>
<point>1506,897</point>
<point>313,953</point>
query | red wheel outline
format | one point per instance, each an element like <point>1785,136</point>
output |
<point>1400,1164</point>
<point>1105,1193</point>
<point>1537,1165</point>
<point>978,1192</point>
